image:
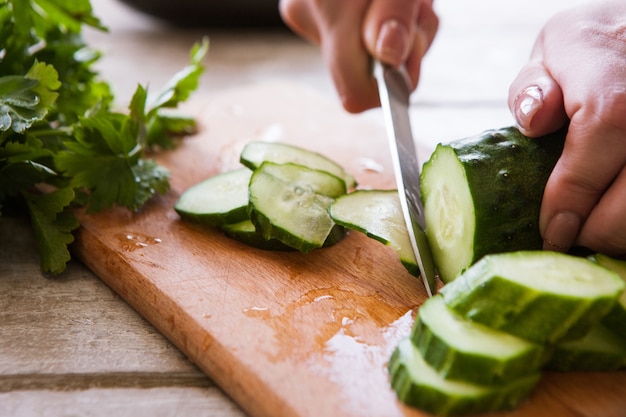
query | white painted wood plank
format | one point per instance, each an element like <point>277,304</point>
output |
<point>156,402</point>
<point>73,323</point>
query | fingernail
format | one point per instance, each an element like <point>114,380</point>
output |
<point>526,104</point>
<point>561,232</point>
<point>392,43</point>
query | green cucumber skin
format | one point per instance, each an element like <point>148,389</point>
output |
<point>233,216</point>
<point>476,367</point>
<point>615,320</point>
<point>281,153</point>
<point>269,230</point>
<point>420,394</point>
<point>246,233</point>
<point>536,316</point>
<point>215,219</point>
<point>385,205</point>
<point>599,350</point>
<point>506,174</point>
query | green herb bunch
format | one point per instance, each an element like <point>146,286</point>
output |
<point>62,146</point>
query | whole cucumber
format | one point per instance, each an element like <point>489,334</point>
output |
<point>482,195</point>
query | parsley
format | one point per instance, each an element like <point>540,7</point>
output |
<point>61,145</point>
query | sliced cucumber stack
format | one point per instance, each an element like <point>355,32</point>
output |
<point>481,344</point>
<point>255,153</point>
<point>482,195</point>
<point>271,205</point>
<point>537,295</point>
<point>460,349</point>
<point>378,214</point>
<point>419,385</point>
<point>219,200</point>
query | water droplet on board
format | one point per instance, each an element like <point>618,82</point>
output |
<point>257,312</point>
<point>130,242</point>
<point>345,322</point>
<point>370,165</point>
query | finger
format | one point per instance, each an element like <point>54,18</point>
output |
<point>298,15</point>
<point>427,26</point>
<point>593,156</point>
<point>588,66</point>
<point>389,29</point>
<point>605,228</point>
<point>536,99</point>
<point>346,56</point>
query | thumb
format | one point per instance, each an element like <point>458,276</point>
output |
<point>536,100</point>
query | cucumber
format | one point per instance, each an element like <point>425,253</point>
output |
<point>255,153</point>
<point>418,385</point>
<point>460,349</point>
<point>289,202</point>
<point>482,195</point>
<point>378,214</point>
<point>541,296</point>
<point>245,232</point>
<point>615,320</point>
<point>599,350</point>
<point>218,200</point>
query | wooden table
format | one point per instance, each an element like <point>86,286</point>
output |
<point>70,346</point>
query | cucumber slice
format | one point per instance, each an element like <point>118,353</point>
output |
<point>599,350</point>
<point>245,232</point>
<point>418,385</point>
<point>218,200</point>
<point>378,214</point>
<point>615,320</point>
<point>255,153</point>
<point>289,202</point>
<point>460,349</point>
<point>482,195</point>
<point>537,295</point>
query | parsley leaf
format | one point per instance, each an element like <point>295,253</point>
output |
<point>58,132</point>
<point>98,158</point>
<point>53,226</point>
<point>25,100</point>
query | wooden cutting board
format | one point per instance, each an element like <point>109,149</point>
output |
<point>287,334</point>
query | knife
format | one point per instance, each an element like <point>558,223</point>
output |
<point>394,90</point>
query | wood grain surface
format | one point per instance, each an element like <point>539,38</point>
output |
<point>287,334</point>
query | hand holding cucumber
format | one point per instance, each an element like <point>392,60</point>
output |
<point>577,72</point>
<point>579,75</point>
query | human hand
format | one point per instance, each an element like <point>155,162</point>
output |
<point>577,72</point>
<point>350,33</point>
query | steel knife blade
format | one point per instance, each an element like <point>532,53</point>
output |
<point>394,90</point>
